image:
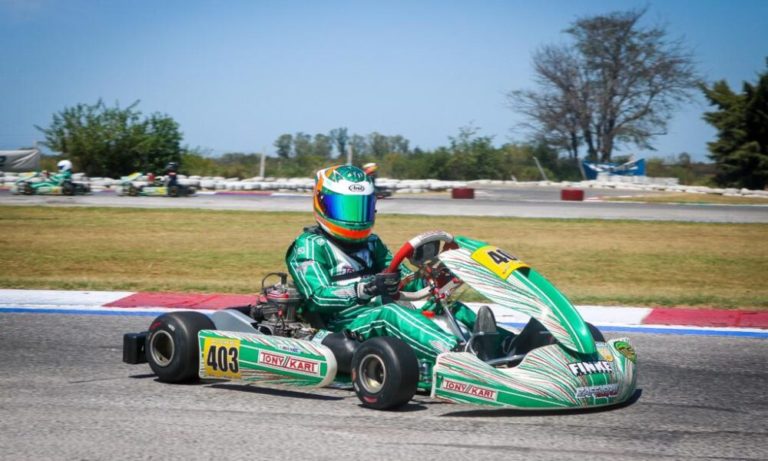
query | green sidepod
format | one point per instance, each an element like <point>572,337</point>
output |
<point>259,358</point>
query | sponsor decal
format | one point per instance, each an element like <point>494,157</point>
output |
<point>626,350</point>
<point>347,291</point>
<point>356,188</point>
<point>290,348</point>
<point>320,336</point>
<point>288,362</point>
<point>604,352</point>
<point>590,368</point>
<point>469,389</point>
<point>305,264</point>
<point>604,391</point>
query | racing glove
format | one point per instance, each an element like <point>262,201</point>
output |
<point>384,283</point>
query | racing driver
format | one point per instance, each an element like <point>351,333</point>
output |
<point>338,267</point>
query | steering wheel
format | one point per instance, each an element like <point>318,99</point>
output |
<point>420,250</point>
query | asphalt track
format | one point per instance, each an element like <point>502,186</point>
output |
<point>531,202</point>
<point>65,394</point>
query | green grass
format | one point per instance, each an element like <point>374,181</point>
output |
<point>692,199</point>
<point>591,261</point>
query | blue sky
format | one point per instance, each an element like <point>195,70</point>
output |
<point>237,74</point>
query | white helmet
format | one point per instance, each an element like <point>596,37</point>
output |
<point>64,165</point>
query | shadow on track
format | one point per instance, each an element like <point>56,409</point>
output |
<point>273,392</point>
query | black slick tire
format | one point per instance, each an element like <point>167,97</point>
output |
<point>385,373</point>
<point>172,346</point>
<point>68,188</point>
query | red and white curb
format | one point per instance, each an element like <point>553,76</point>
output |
<point>148,303</point>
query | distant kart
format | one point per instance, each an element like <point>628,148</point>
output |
<point>383,192</point>
<point>557,361</point>
<point>39,184</point>
<point>133,186</point>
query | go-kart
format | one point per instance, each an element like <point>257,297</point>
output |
<point>136,184</point>
<point>557,361</point>
<point>42,184</point>
<point>383,192</point>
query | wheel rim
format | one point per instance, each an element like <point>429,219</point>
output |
<point>162,348</point>
<point>372,373</point>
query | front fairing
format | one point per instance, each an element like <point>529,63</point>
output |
<point>549,377</point>
<point>512,284</point>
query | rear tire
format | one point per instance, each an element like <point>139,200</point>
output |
<point>172,346</point>
<point>173,191</point>
<point>385,373</point>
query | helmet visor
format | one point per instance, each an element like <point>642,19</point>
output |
<point>348,208</point>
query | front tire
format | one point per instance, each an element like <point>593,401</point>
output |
<point>385,373</point>
<point>172,346</point>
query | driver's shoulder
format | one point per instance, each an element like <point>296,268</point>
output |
<point>374,238</point>
<point>307,239</point>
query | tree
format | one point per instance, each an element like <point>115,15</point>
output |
<point>340,139</point>
<point>322,146</point>
<point>302,144</point>
<point>615,83</point>
<point>359,145</point>
<point>399,144</point>
<point>284,145</point>
<point>379,144</point>
<point>741,150</point>
<point>110,141</point>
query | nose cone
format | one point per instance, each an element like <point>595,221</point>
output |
<point>549,377</point>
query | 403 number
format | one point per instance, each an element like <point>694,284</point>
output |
<point>223,359</point>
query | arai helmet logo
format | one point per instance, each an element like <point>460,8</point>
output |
<point>357,188</point>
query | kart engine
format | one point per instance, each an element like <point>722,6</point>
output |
<point>276,309</point>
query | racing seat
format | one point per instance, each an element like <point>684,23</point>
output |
<point>343,347</point>
<point>533,335</point>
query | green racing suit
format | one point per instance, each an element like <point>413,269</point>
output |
<point>326,273</point>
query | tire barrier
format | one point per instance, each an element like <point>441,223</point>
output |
<point>219,183</point>
<point>576,195</point>
<point>462,193</point>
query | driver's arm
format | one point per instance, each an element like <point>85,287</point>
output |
<point>306,265</point>
<point>382,257</point>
